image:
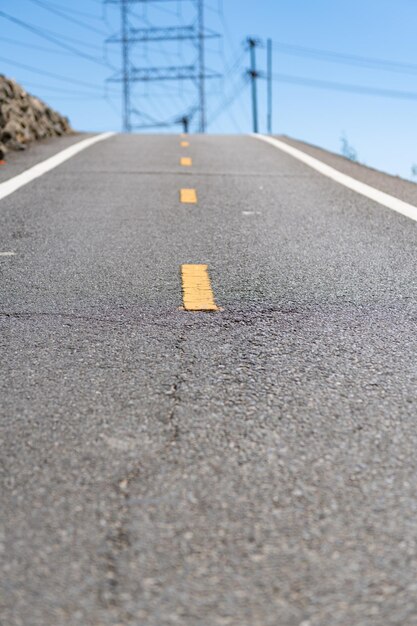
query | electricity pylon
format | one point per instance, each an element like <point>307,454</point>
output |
<point>197,72</point>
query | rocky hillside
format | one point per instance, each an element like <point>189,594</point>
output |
<point>24,118</point>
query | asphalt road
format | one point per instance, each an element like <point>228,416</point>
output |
<point>251,467</point>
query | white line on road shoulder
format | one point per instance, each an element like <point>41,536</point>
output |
<point>13,184</point>
<point>381,197</point>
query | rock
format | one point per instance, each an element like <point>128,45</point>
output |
<point>16,145</point>
<point>25,118</point>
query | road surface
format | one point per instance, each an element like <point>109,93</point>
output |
<point>250,466</point>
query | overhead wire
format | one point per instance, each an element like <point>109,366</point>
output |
<point>49,91</point>
<point>227,102</point>
<point>59,77</point>
<point>76,11</point>
<point>89,91</point>
<point>48,7</point>
<point>234,69</point>
<point>31,46</point>
<point>335,86</point>
<point>350,59</point>
<point>58,89</point>
<point>53,39</point>
<point>233,66</point>
<point>74,40</point>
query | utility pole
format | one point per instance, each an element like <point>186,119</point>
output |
<point>252,43</point>
<point>269,85</point>
<point>201,65</point>
<point>125,65</point>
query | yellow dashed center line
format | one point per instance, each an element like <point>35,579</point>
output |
<point>197,293</point>
<point>196,285</point>
<point>188,196</point>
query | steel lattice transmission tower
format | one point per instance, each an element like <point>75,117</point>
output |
<point>196,72</point>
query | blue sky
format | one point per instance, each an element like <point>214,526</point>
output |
<point>381,129</point>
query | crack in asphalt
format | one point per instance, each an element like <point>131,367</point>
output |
<point>176,390</point>
<point>118,540</point>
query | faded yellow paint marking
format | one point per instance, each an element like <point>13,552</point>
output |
<point>185,144</point>
<point>197,293</point>
<point>188,196</point>
<point>186,161</point>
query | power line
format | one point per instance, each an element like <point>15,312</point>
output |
<point>77,12</point>
<point>59,89</point>
<point>227,102</point>
<point>234,66</point>
<point>66,38</point>
<point>232,70</point>
<point>359,89</point>
<point>51,38</point>
<point>79,97</point>
<point>31,46</point>
<point>35,70</point>
<point>48,7</point>
<point>349,59</point>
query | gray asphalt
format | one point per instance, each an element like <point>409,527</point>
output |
<point>252,467</point>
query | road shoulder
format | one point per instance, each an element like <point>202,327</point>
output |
<point>18,162</point>
<point>393,185</point>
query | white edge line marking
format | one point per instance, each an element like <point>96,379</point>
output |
<point>7,253</point>
<point>381,197</point>
<point>15,183</point>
